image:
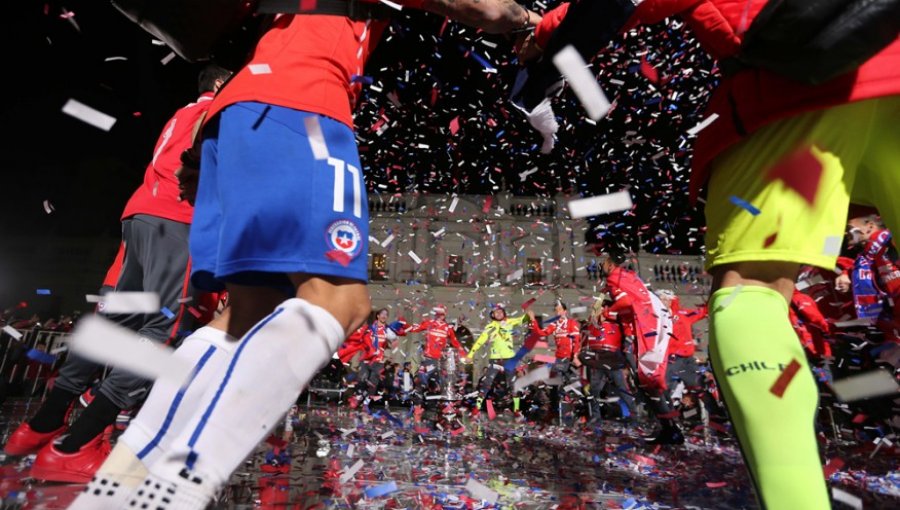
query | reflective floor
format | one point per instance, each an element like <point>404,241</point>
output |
<point>337,458</point>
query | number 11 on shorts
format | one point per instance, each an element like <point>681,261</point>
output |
<point>338,203</point>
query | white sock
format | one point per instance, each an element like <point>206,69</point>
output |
<point>168,406</point>
<point>114,482</point>
<point>269,369</point>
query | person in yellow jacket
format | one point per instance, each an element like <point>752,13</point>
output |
<point>500,333</point>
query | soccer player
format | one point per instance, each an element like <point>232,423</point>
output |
<point>281,222</point>
<point>781,164</point>
<point>154,257</point>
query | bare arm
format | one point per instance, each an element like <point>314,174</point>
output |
<point>493,16</point>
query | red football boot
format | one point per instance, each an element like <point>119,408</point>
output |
<point>53,465</point>
<point>25,441</point>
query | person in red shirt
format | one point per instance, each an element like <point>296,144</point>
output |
<point>606,362</point>
<point>153,257</point>
<point>780,164</point>
<point>567,337</point>
<point>281,222</point>
<point>879,255</point>
<point>652,326</point>
<point>371,367</point>
<point>814,333</point>
<point>437,333</point>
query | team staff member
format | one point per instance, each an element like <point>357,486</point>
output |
<point>840,139</point>
<point>154,258</point>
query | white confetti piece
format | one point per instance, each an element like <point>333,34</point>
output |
<point>48,207</point>
<point>703,124</point>
<point>480,491</point>
<point>854,323</point>
<point>392,5</point>
<point>351,471</point>
<point>526,173</point>
<point>734,293</point>
<point>387,435</point>
<point>603,204</point>
<point>578,309</point>
<point>832,245</point>
<point>809,282</point>
<point>515,275</point>
<point>13,332</point>
<point>415,257</point>
<point>316,138</point>
<point>846,498</point>
<point>104,342</point>
<point>351,450</point>
<point>130,302</point>
<point>387,241</point>
<point>453,204</point>
<point>440,232</point>
<point>871,384</point>
<point>582,81</point>
<point>93,298</point>
<point>259,69</point>
<point>539,374</point>
<point>168,58</point>
<point>88,115</point>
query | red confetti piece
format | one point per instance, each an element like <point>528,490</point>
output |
<point>528,303</point>
<point>339,257</point>
<point>276,442</point>
<point>487,204</point>
<point>716,485</point>
<point>859,418</point>
<point>770,240</point>
<point>832,466</point>
<point>454,125</point>
<point>490,409</point>
<point>307,5</point>
<point>785,378</point>
<point>193,311</point>
<point>801,172</point>
<point>649,71</point>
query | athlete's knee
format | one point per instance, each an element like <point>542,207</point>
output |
<point>776,275</point>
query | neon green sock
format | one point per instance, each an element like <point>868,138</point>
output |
<point>751,342</point>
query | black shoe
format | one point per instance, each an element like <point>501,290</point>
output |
<point>666,436</point>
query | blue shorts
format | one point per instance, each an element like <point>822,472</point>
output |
<point>266,206</point>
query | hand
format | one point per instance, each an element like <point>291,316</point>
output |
<point>530,313</point>
<point>187,183</point>
<point>526,48</point>
<point>466,360</point>
<point>576,362</point>
<point>842,284</point>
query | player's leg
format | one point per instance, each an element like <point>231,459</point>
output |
<point>300,225</point>
<point>754,256</point>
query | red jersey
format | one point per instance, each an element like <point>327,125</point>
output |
<point>606,336</point>
<point>158,195</point>
<point>565,333</point>
<point>752,98</point>
<point>375,339</point>
<point>810,325</point>
<point>682,342</point>
<point>308,63</point>
<point>877,250</point>
<point>352,344</point>
<point>437,332</point>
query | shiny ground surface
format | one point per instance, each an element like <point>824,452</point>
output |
<point>523,465</point>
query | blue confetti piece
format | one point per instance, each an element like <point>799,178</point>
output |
<point>381,490</point>
<point>168,313</point>
<point>43,292</point>
<point>41,356</point>
<point>743,204</point>
<point>366,80</point>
